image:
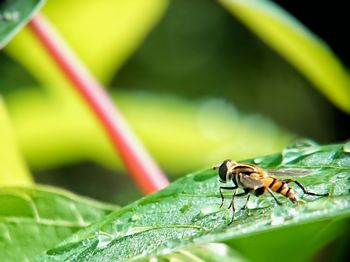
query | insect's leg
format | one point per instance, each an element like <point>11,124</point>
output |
<point>227,188</point>
<point>240,194</point>
<point>246,191</point>
<point>272,194</point>
<point>246,203</point>
<point>303,188</point>
<point>233,207</point>
<point>233,197</point>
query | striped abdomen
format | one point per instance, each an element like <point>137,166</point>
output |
<point>281,187</point>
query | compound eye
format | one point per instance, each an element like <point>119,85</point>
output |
<point>223,172</point>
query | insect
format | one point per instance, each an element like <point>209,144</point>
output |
<point>256,180</point>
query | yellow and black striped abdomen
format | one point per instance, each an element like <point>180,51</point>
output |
<point>281,187</point>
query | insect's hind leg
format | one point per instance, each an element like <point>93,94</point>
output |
<point>290,180</point>
<point>274,197</point>
<point>246,191</point>
<point>246,202</point>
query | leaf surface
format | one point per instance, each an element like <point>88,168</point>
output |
<point>188,211</point>
<point>14,14</point>
<point>35,219</point>
<point>303,49</point>
<point>212,252</point>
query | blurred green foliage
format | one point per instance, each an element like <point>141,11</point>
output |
<point>13,170</point>
<point>297,44</point>
<point>182,90</point>
<point>33,219</point>
<point>182,136</point>
<point>194,83</point>
<point>14,15</point>
<point>196,51</point>
<point>199,50</point>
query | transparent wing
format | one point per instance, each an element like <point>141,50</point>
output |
<point>290,172</point>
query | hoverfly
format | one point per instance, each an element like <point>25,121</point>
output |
<point>256,180</point>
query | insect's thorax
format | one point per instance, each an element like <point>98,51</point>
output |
<point>248,176</point>
<point>251,180</point>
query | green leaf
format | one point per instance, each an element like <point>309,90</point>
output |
<point>103,34</point>
<point>35,219</point>
<point>209,126</point>
<point>188,211</point>
<point>308,53</point>
<point>13,171</point>
<point>212,252</point>
<point>14,14</point>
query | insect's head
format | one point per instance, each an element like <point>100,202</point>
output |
<point>225,168</point>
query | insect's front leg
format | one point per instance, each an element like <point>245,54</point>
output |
<point>226,188</point>
<point>246,191</point>
<point>233,207</point>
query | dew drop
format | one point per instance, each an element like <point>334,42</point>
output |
<point>86,242</point>
<point>262,202</point>
<point>104,239</point>
<point>278,215</point>
<point>195,219</point>
<point>299,149</point>
<point>172,243</point>
<point>302,143</point>
<point>135,230</point>
<point>258,160</point>
<point>118,228</point>
<point>185,208</point>
<point>205,211</point>
<point>135,217</point>
<point>11,16</point>
<point>342,175</point>
<point>346,147</point>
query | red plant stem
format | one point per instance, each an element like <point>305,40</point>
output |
<point>139,163</point>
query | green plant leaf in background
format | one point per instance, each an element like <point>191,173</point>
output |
<point>35,219</point>
<point>188,212</point>
<point>13,171</point>
<point>13,16</point>
<point>183,136</point>
<point>308,53</point>
<point>102,33</point>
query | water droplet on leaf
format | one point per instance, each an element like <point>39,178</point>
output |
<point>279,215</point>
<point>299,149</point>
<point>184,208</point>
<point>135,217</point>
<point>104,239</point>
<point>86,242</point>
<point>302,143</point>
<point>346,147</point>
<point>205,211</point>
